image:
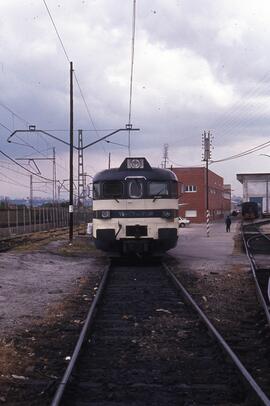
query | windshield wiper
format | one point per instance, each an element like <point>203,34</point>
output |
<point>158,195</point>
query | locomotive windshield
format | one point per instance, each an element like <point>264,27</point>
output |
<point>96,190</point>
<point>158,189</point>
<point>135,188</point>
<point>113,189</point>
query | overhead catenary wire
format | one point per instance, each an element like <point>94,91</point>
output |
<point>131,70</point>
<point>12,169</point>
<point>75,76</point>
<point>27,170</point>
<point>20,118</point>
<point>83,129</point>
<point>56,30</point>
<point>5,127</point>
<point>4,164</point>
<point>13,182</point>
<point>24,143</point>
<point>85,103</point>
<point>13,113</point>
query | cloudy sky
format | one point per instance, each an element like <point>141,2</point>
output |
<point>199,65</point>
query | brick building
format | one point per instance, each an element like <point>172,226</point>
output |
<point>192,187</point>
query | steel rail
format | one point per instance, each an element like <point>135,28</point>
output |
<point>252,384</point>
<point>30,237</point>
<point>253,270</point>
<point>264,235</point>
<point>87,324</point>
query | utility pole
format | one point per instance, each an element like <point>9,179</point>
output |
<point>54,177</point>
<point>71,158</point>
<point>206,143</point>
<point>31,192</point>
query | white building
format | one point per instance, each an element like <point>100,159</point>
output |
<point>256,188</point>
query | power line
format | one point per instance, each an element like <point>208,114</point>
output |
<point>237,106</point>
<point>27,170</point>
<point>12,170</point>
<point>26,144</point>
<point>6,128</point>
<point>175,163</point>
<point>13,112</point>
<point>68,59</point>
<point>13,182</point>
<point>56,30</point>
<point>131,70</point>
<point>4,165</point>
<point>244,153</point>
<point>87,108</point>
<point>243,109</point>
<point>235,122</point>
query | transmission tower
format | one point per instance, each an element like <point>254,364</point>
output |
<point>81,174</point>
<point>165,156</point>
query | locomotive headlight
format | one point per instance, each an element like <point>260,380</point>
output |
<point>105,214</point>
<point>167,214</point>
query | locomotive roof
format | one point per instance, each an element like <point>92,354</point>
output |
<point>121,174</point>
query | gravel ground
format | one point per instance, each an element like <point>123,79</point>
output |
<point>32,282</point>
<point>45,291</point>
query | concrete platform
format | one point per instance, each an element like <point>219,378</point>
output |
<point>214,253</point>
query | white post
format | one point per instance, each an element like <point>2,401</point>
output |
<point>207,222</point>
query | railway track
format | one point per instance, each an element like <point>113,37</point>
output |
<point>7,243</point>
<point>257,245</point>
<point>145,342</point>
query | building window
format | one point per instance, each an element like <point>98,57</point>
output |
<point>190,188</point>
<point>191,213</point>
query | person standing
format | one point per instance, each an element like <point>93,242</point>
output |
<point>228,223</point>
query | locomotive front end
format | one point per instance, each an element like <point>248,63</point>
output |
<point>135,208</point>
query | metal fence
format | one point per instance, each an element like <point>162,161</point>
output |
<point>23,220</point>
